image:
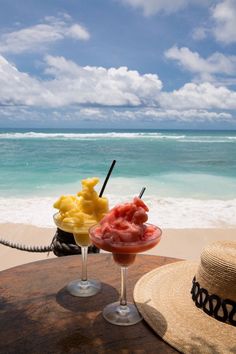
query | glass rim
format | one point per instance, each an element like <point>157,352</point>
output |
<point>71,223</point>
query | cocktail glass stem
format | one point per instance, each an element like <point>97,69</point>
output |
<point>123,298</point>
<point>122,313</point>
<point>84,287</point>
<point>84,254</point>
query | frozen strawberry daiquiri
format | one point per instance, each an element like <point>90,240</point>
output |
<point>76,215</point>
<point>124,232</point>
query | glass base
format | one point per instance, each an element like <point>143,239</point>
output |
<point>121,315</point>
<point>84,288</point>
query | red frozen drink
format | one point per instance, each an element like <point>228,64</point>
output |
<point>124,232</point>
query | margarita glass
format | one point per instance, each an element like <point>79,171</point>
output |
<point>83,287</point>
<point>123,313</point>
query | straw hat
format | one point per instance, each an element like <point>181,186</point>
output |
<point>186,302</point>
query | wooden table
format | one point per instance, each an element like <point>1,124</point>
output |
<point>38,316</point>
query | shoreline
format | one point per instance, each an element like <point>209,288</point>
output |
<point>169,213</point>
<point>179,243</point>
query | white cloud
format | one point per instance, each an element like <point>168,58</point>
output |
<point>224,17</point>
<point>19,88</point>
<point>206,69</point>
<point>200,33</point>
<point>98,85</point>
<point>170,114</point>
<point>199,96</point>
<point>221,24</point>
<point>72,84</point>
<point>151,7</point>
<point>23,114</point>
<point>38,37</point>
<point>91,112</point>
<point>72,114</point>
<point>69,85</point>
<point>191,115</point>
<point>78,32</point>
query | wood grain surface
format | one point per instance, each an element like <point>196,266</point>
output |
<point>37,315</point>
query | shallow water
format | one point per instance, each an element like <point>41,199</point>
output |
<point>190,175</point>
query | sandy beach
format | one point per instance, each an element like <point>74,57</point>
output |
<point>24,235</point>
<point>179,243</point>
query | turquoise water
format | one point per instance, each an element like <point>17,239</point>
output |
<point>190,176</point>
<point>172,163</point>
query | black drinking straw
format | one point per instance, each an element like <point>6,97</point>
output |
<point>107,178</point>
<point>141,193</point>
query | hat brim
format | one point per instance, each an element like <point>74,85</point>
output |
<point>163,298</point>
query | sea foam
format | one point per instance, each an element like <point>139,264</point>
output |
<point>107,135</point>
<point>174,213</point>
<point>178,137</point>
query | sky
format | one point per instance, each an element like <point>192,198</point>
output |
<point>118,64</point>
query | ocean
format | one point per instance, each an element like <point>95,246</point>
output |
<point>189,175</point>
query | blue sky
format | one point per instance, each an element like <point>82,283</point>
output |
<point>118,63</point>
